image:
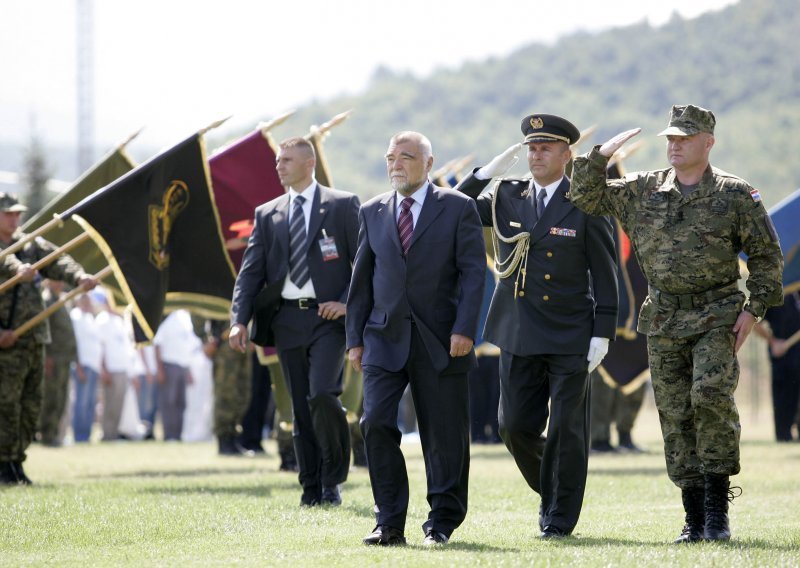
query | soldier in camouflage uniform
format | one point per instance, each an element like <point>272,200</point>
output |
<point>687,225</point>
<point>232,373</point>
<point>59,354</point>
<point>22,358</point>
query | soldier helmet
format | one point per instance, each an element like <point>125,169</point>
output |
<point>10,204</point>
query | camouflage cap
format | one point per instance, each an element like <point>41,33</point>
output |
<point>688,120</point>
<point>10,204</point>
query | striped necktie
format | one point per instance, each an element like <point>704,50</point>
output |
<point>405,224</point>
<point>298,263</point>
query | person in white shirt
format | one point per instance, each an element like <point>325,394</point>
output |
<point>86,369</point>
<point>175,342</point>
<point>116,349</point>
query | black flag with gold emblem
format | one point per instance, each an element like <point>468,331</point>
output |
<point>159,229</point>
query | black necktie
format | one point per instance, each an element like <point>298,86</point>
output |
<point>539,203</point>
<point>298,264</point>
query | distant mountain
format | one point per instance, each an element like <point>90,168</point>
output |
<point>740,62</point>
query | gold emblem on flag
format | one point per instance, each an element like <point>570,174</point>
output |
<point>162,217</point>
<point>536,122</point>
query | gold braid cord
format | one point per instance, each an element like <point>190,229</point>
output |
<point>517,261</point>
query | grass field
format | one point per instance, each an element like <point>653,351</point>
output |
<point>168,504</point>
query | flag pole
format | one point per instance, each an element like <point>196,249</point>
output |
<point>55,222</point>
<point>213,125</point>
<point>46,260</point>
<point>37,319</point>
<point>795,337</point>
<point>265,127</point>
<point>325,127</point>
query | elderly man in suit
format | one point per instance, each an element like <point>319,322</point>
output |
<point>304,243</point>
<point>552,314</point>
<point>413,311</point>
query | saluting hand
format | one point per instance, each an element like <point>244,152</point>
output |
<point>615,143</point>
<point>501,163</point>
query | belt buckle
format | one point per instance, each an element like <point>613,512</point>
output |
<point>302,303</point>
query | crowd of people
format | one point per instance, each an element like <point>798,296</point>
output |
<point>395,285</point>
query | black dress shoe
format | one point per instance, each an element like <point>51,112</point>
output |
<point>552,531</point>
<point>433,538</point>
<point>384,535</point>
<point>331,496</point>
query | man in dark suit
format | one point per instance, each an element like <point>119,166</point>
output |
<point>304,242</point>
<point>552,314</point>
<point>412,316</point>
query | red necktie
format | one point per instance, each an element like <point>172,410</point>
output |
<point>405,224</point>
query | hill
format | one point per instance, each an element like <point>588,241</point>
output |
<point>739,62</point>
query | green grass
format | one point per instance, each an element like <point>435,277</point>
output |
<point>167,504</point>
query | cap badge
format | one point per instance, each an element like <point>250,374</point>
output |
<point>537,122</point>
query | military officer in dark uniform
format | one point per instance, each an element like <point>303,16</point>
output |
<point>552,315</point>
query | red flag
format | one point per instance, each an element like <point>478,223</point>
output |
<point>243,175</point>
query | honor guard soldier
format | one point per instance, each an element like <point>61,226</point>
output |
<point>687,225</point>
<point>552,315</point>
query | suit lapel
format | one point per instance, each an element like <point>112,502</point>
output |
<point>319,208</point>
<point>558,208</point>
<point>431,208</point>
<point>280,220</point>
<point>386,213</point>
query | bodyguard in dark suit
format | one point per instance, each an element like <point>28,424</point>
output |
<point>552,314</point>
<point>304,242</point>
<point>412,316</point>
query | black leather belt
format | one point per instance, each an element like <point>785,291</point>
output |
<point>302,303</point>
<point>689,301</point>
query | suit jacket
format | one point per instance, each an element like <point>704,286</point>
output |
<point>570,292</point>
<point>439,285</point>
<point>266,260</point>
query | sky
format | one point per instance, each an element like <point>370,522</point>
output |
<point>174,66</point>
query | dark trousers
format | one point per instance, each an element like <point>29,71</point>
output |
<point>555,466</point>
<point>785,394</point>
<point>313,372</point>
<point>442,405</point>
<point>484,398</point>
<point>255,416</point>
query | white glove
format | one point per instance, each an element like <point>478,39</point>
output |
<point>598,347</point>
<point>500,164</point>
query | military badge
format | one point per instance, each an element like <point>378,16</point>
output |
<point>537,122</point>
<point>756,195</point>
<point>563,232</point>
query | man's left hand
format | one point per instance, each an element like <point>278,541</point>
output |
<point>598,347</point>
<point>87,282</point>
<point>460,345</point>
<point>742,328</point>
<point>331,310</point>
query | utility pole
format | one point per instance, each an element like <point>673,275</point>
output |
<point>85,77</point>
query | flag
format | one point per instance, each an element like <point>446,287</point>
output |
<point>113,165</point>
<point>785,216</point>
<point>244,176</point>
<point>158,227</point>
<point>322,172</point>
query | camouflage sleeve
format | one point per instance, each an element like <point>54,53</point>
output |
<point>591,192</point>
<point>64,268</point>
<point>764,258</point>
<point>8,266</point>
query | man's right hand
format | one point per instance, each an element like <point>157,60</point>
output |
<point>237,338</point>
<point>501,163</point>
<point>354,355</point>
<point>617,142</point>
<point>7,339</point>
